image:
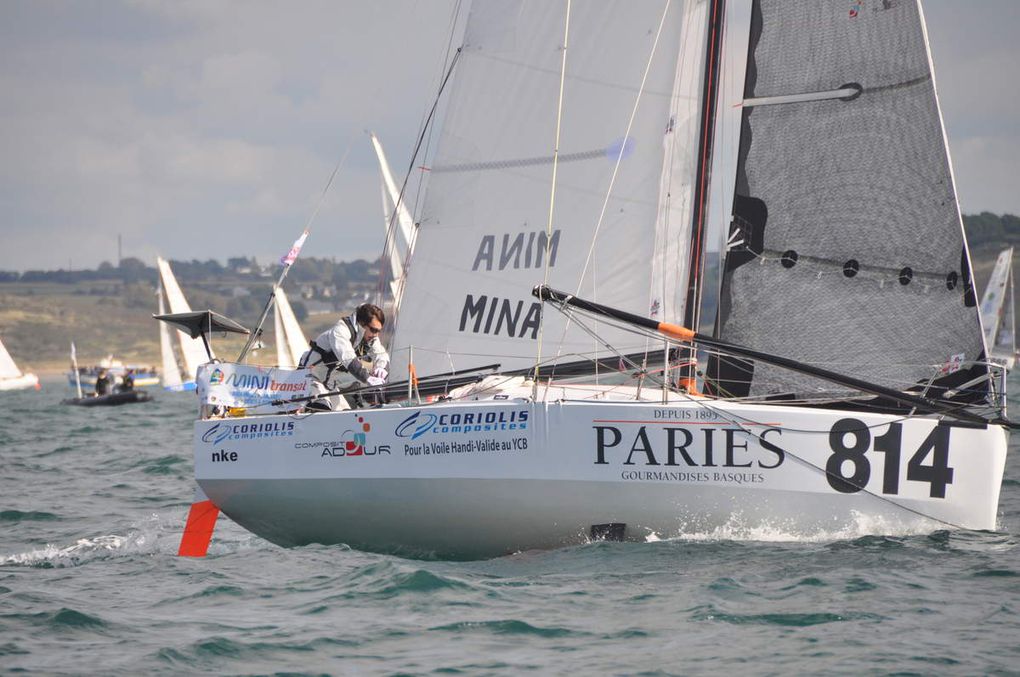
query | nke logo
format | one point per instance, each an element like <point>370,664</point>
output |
<point>714,447</point>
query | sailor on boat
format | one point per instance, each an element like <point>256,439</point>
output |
<point>342,348</point>
<point>127,382</point>
<point>103,383</point>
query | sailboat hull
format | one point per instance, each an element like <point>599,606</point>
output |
<point>486,479</point>
<point>22,382</point>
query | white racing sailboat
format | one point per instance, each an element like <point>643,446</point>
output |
<point>997,314</point>
<point>11,377</point>
<point>176,375</point>
<point>846,389</point>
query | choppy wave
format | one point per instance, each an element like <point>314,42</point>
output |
<point>90,582</point>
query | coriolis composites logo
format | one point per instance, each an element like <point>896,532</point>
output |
<point>420,423</point>
<point>247,431</point>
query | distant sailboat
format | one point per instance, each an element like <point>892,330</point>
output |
<point>12,378</point>
<point>290,340</point>
<point>997,312</point>
<point>192,351</point>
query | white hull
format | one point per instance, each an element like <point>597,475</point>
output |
<point>540,475</point>
<point>19,382</point>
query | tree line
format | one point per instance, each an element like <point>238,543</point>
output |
<point>307,270</point>
<point>984,231</point>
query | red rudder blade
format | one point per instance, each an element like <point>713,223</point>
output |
<point>199,529</point>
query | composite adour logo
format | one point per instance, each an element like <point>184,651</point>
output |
<point>216,377</point>
<point>420,422</point>
<point>247,431</point>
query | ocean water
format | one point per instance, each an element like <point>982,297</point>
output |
<point>92,502</point>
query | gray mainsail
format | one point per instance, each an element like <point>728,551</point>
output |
<point>847,248</point>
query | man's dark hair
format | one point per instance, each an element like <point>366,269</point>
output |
<point>365,313</point>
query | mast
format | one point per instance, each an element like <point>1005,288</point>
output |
<point>696,269</point>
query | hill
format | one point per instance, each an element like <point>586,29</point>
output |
<point>108,310</point>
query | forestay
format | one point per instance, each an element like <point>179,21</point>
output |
<point>846,227</point>
<point>483,241</point>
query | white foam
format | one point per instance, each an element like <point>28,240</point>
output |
<point>153,535</point>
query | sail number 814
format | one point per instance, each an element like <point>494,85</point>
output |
<point>848,468</point>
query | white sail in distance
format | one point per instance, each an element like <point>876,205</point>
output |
<point>993,302</point>
<point>192,349</point>
<point>171,372</point>
<point>997,313</point>
<point>390,250</point>
<point>483,241</point>
<point>11,377</point>
<point>398,225</point>
<point>8,369</point>
<point>290,340</point>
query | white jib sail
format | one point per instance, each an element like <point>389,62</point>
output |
<point>8,369</point>
<point>171,372</point>
<point>290,340</point>
<point>192,349</point>
<point>482,243</point>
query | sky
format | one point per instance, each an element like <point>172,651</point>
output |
<point>199,129</point>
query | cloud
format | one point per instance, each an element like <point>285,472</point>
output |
<point>208,129</point>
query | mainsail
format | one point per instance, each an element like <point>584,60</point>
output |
<point>846,230</point>
<point>483,240</point>
<point>290,340</point>
<point>192,350</point>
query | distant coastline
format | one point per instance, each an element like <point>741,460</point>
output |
<point>108,310</point>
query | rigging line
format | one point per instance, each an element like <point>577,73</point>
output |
<point>598,339</point>
<point>414,157</point>
<point>454,17</point>
<point>257,331</point>
<point>619,156</point>
<point>552,188</point>
<point>616,166</point>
